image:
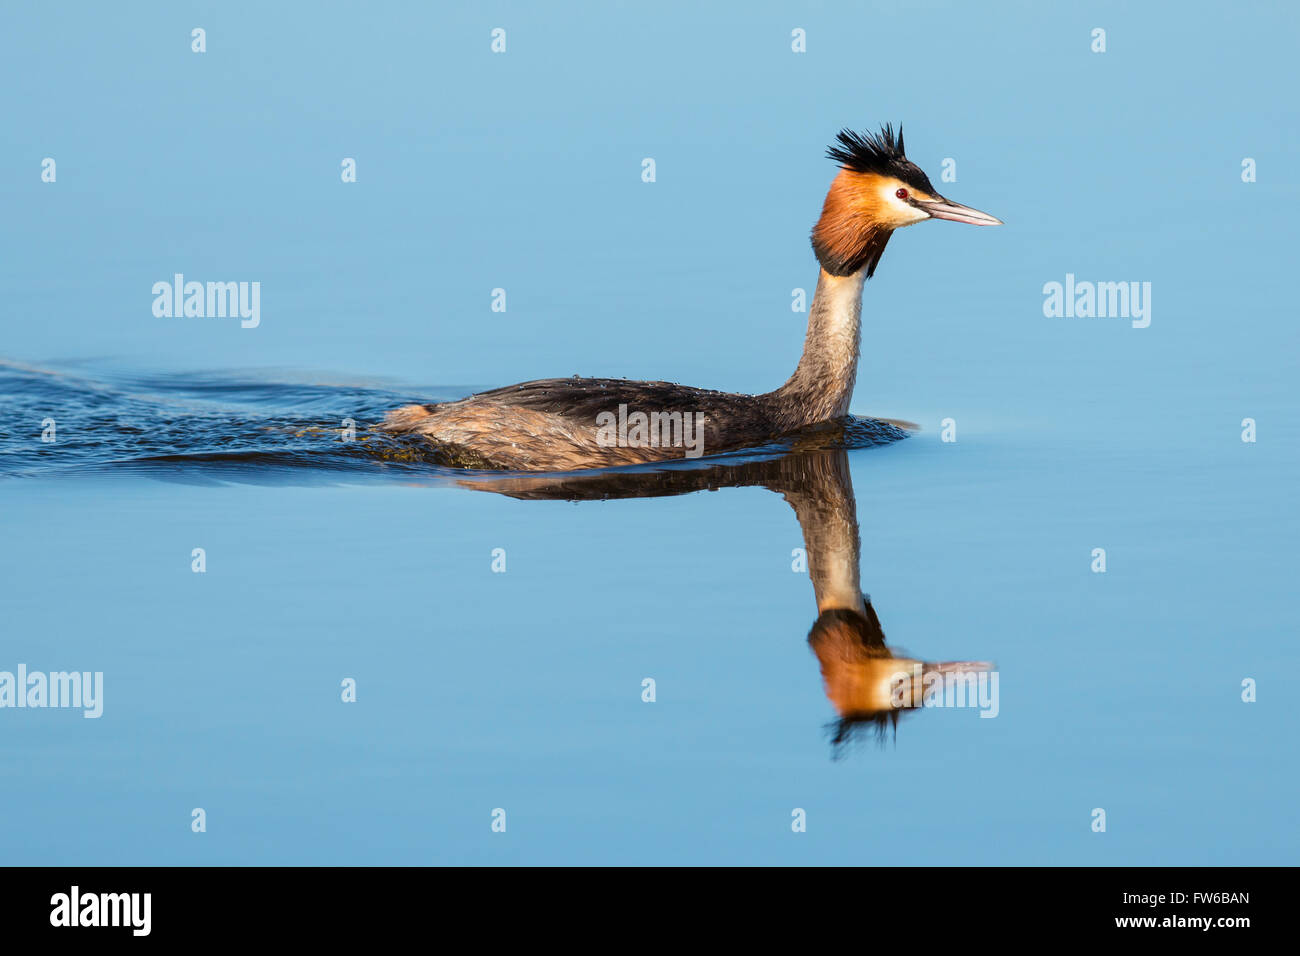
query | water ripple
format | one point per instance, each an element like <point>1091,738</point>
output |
<point>218,427</point>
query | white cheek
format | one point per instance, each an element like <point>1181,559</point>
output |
<point>903,212</point>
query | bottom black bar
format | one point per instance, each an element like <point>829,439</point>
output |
<point>205,905</point>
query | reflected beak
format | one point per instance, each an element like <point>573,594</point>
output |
<point>944,209</point>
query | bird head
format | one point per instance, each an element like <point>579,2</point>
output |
<point>877,190</point>
<point>867,684</point>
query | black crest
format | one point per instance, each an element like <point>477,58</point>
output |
<point>880,153</point>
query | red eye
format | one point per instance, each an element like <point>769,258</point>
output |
<point>901,194</point>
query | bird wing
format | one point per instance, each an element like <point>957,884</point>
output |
<point>583,398</point>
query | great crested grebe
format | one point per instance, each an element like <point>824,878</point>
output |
<point>560,424</point>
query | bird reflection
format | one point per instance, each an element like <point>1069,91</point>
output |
<point>865,680</point>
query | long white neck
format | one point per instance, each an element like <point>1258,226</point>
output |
<point>822,385</point>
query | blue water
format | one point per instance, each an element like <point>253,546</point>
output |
<point>522,690</point>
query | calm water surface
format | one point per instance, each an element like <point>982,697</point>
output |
<point>522,689</point>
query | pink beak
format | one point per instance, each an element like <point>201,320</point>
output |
<point>943,209</point>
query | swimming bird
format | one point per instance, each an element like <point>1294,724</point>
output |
<point>561,424</point>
